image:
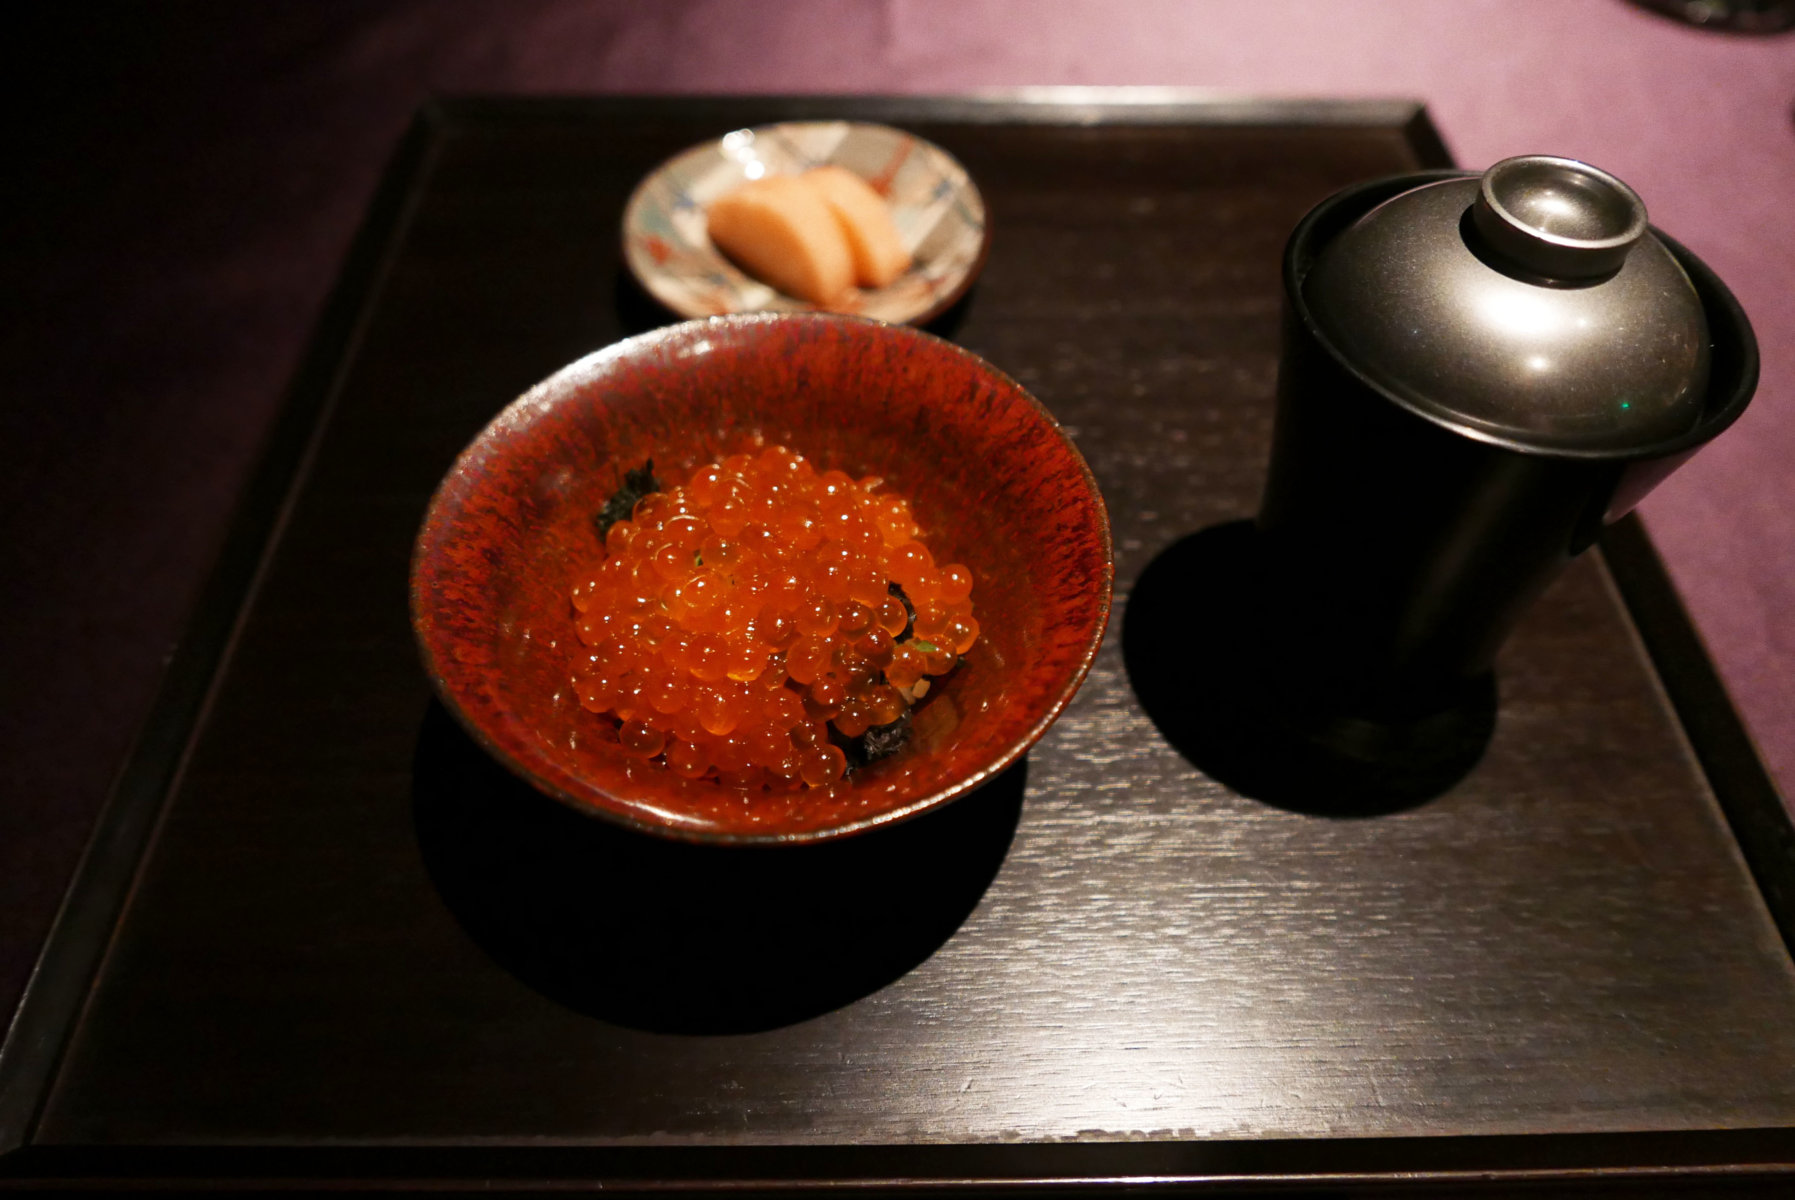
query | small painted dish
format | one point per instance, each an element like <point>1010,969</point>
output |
<point>938,212</point>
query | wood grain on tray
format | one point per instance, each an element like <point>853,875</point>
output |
<point>1107,945</point>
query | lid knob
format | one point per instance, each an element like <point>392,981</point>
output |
<point>1557,218</point>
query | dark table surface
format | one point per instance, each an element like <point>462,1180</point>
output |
<point>353,932</point>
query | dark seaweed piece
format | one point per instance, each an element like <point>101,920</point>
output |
<point>850,748</point>
<point>897,589</point>
<point>881,741</point>
<point>637,483</point>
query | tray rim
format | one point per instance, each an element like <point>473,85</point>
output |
<point>1749,1161</point>
<point>74,950</point>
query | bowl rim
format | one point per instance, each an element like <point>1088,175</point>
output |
<point>437,522</point>
<point>652,281</point>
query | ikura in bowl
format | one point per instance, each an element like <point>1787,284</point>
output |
<point>992,480</point>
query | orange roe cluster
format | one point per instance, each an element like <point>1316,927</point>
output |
<point>737,616</point>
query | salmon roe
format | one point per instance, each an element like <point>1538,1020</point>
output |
<point>738,616</point>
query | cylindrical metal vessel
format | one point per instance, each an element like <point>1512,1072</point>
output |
<point>1465,397</point>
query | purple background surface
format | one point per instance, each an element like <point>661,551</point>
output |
<point>185,180</point>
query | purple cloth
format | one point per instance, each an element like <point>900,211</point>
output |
<point>192,174</point>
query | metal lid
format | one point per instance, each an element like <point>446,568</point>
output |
<point>1531,304</point>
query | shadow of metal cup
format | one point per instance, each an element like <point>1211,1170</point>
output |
<point>1477,373</point>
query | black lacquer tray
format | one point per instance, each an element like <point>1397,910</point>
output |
<point>320,941</point>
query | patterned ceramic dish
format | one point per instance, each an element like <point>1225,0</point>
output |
<point>939,215</point>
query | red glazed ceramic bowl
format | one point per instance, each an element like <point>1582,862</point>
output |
<point>992,479</point>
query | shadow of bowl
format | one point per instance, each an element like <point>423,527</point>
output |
<point>675,937</point>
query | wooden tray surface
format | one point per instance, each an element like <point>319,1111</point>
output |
<point>321,937</point>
